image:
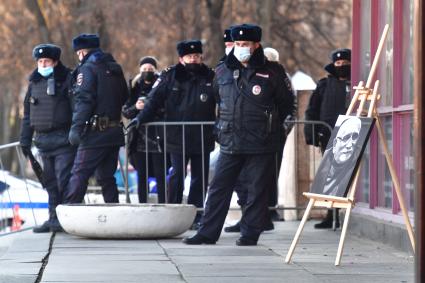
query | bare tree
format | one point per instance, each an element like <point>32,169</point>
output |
<point>216,48</point>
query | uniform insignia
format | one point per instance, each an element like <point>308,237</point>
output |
<point>156,83</point>
<point>256,90</point>
<point>203,97</point>
<point>208,84</point>
<point>80,79</point>
<point>262,75</point>
<point>288,84</point>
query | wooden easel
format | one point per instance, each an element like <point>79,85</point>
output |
<point>363,94</point>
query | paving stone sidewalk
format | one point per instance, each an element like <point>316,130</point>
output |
<point>74,259</point>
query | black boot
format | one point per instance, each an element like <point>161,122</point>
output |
<point>198,239</point>
<point>233,229</point>
<point>269,225</point>
<point>197,222</point>
<point>43,228</point>
<point>55,226</point>
<point>327,222</point>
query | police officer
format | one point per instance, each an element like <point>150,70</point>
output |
<point>272,55</point>
<point>255,95</point>
<point>100,92</point>
<point>186,93</point>
<point>140,86</point>
<point>330,99</point>
<point>47,117</point>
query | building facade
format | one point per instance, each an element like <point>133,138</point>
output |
<point>375,195</point>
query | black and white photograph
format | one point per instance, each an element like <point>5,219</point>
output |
<point>342,156</point>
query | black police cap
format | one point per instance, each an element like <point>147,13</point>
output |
<point>227,37</point>
<point>46,51</point>
<point>340,54</point>
<point>85,41</point>
<point>189,47</point>
<point>246,32</point>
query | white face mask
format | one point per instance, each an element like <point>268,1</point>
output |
<point>227,50</point>
<point>242,53</point>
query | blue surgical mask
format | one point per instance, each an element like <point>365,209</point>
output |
<point>242,53</point>
<point>45,71</point>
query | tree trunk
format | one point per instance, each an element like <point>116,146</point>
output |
<point>216,45</point>
<point>34,7</point>
<point>264,11</point>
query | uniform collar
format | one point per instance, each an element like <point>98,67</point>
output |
<point>256,61</point>
<point>183,75</point>
<point>60,73</point>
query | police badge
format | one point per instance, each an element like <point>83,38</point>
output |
<point>256,90</point>
<point>203,97</point>
<point>80,79</point>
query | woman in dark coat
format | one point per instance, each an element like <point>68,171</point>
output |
<point>140,86</point>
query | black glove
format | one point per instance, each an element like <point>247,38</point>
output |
<point>26,150</point>
<point>74,137</point>
<point>133,124</point>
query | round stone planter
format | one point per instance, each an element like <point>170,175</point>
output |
<point>122,221</point>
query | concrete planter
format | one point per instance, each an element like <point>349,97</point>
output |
<point>126,220</point>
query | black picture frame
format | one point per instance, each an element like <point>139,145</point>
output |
<point>342,155</point>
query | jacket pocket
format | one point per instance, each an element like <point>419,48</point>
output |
<point>224,131</point>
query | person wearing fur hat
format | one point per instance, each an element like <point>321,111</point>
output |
<point>100,91</point>
<point>185,92</point>
<point>255,96</point>
<point>140,86</point>
<point>330,99</point>
<point>47,119</point>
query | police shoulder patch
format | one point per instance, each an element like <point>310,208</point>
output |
<point>80,79</point>
<point>158,80</point>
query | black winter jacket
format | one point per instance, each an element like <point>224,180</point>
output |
<point>52,135</point>
<point>185,97</point>
<point>253,103</point>
<point>100,89</point>
<point>137,140</point>
<point>330,99</point>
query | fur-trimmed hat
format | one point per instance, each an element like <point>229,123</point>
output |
<point>148,60</point>
<point>189,47</point>
<point>246,32</point>
<point>227,37</point>
<point>85,41</point>
<point>46,51</point>
<point>340,54</point>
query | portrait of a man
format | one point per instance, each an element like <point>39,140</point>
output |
<point>342,156</point>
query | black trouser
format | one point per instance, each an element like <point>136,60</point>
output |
<point>241,190</point>
<point>155,159</point>
<point>56,175</point>
<point>257,172</point>
<point>198,188</point>
<point>102,162</point>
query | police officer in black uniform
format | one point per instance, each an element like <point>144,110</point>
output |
<point>47,117</point>
<point>330,99</point>
<point>255,97</point>
<point>140,86</point>
<point>186,93</point>
<point>100,92</point>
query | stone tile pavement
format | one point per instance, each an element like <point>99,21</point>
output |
<point>32,257</point>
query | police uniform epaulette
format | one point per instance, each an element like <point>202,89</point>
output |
<point>167,69</point>
<point>322,80</point>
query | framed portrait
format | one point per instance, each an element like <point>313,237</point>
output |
<point>342,155</point>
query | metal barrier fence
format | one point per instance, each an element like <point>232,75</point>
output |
<point>17,209</point>
<point>9,207</point>
<point>163,125</point>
